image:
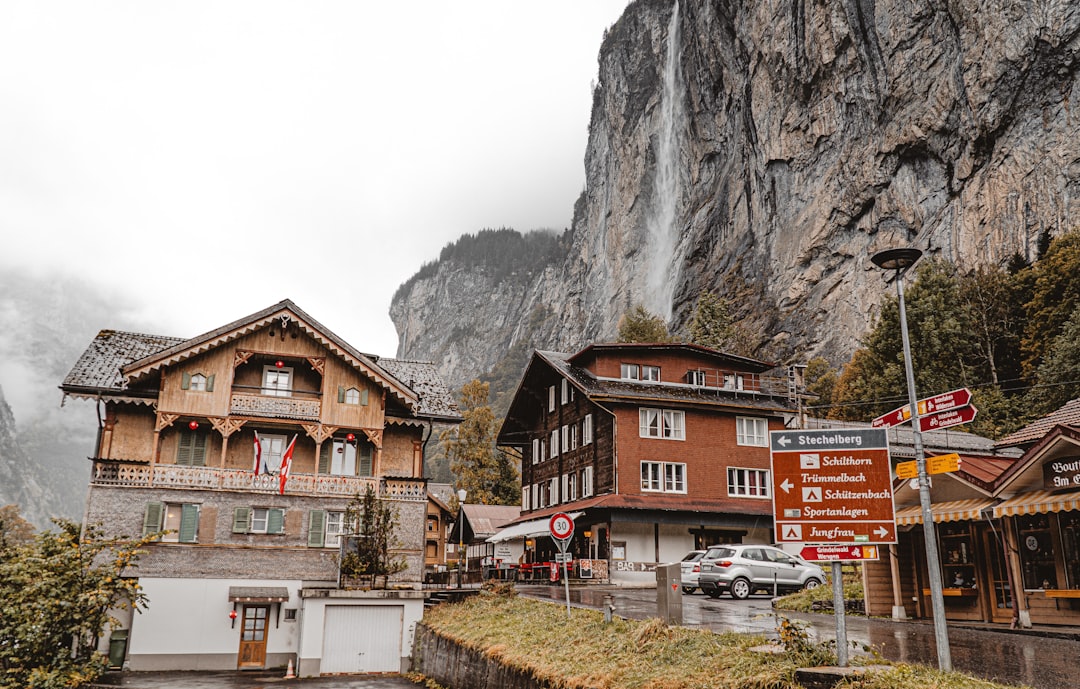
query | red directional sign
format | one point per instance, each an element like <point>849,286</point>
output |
<point>953,417</point>
<point>832,486</point>
<point>930,405</point>
<point>825,553</point>
<point>561,526</point>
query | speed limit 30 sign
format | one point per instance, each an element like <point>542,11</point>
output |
<point>561,526</point>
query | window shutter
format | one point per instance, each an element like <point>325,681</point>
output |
<point>210,383</point>
<point>363,464</point>
<point>324,456</point>
<point>316,528</point>
<point>185,381</point>
<point>275,520</point>
<point>198,450</point>
<point>241,522</point>
<point>363,397</point>
<point>341,394</point>
<point>155,511</point>
<point>185,448</point>
<point>189,523</point>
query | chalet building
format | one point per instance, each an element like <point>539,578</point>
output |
<point>1007,529</point>
<point>439,519</point>
<point>244,445</point>
<point>654,449</point>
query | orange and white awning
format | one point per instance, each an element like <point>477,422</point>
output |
<point>1038,502</point>
<point>954,511</point>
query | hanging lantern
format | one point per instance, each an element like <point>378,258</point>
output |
<point>232,614</point>
<point>279,363</point>
<point>193,425</point>
<point>350,437</point>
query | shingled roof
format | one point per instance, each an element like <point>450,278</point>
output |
<point>98,369</point>
<point>1067,415</point>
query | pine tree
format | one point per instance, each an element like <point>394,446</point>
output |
<point>489,476</point>
<point>371,522</point>
<point>639,325</point>
<point>711,326</point>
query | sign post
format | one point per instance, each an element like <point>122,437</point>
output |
<point>561,527</point>
<point>833,486</point>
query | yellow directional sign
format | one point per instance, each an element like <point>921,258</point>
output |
<point>942,464</point>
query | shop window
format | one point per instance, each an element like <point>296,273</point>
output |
<point>1070,542</point>
<point>1036,551</point>
<point>957,555</point>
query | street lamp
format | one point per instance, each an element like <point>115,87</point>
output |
<point>900,259</point>
<point>461,533</point>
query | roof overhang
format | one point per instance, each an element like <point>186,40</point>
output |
<point>258,594</point>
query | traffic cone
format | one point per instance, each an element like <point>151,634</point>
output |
<point>289,674</point>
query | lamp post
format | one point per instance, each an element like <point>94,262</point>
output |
<point>900,260</point>
<point>461,533</point>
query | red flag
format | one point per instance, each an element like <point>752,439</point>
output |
<point>286,464</point>
<point>259,468</point>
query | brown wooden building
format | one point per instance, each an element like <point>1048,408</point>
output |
<point>182,423</point>
<point>657,449</point>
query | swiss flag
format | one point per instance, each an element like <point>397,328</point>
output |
<point>286,464</point>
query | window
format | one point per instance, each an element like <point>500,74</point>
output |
<point>551,398</point>
<point>180,520</point>
<point>565,391</point>
<point>696,378</point>
<point>661,423</point>
<point>733,381</point>
<point>629,372</point>
<point>277,382</point>
<point>553,491</point>
<point>667,477</point>
<point>536,452</point>
<point>751,431</point>
<point>541,495</point>
<point>650,373</point>
<point>325,529</point>
<point>1036,551</point>
<point>268,520</point>
<point>573,437</point>
<point>747,483</point>
<point>340,457</point>
<point>335,526</point>
<point>273,447</point>
<point>525,499</point>
<point>536,496</point>
<point>197,382</point>
<point>352,396</point>
<point>587,430</point>
<point>571,487</point>
<point>432,525</point>
<point>191,448</point>
<point>587,482</point>
<point>555,443</point>
<point>565,440</point>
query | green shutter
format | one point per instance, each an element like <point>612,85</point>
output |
<point>210,384</point>
<point>189,523</point>
<point>184,448</point>
<point>363,397</point>
<point>198,450</point>
<point>155,512</point>
<point>275,520</point>
<point>341,394</point>
<point>324,456</point>
<point>185,381</point>
<point>241,522</point>
<point>363,460</point>
<point>316,528</point>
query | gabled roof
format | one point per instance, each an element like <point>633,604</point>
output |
<point>116,359</point>
<point>1057,441</point>
<point>1067,415</point>
<point>483,521</point>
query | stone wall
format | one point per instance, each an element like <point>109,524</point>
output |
<point>452,665</point>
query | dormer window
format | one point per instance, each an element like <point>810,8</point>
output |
<point>277,382</point>
<point>696,378</point>
<point>650,373</point>
<point>630,372</point>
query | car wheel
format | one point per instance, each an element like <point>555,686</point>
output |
<point>740,589</point>
<point>713,593</point>
<point>689,589</point>
<point>811,583</point>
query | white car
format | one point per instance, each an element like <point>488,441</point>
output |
<point>742,569</point>
<point>690,568</point>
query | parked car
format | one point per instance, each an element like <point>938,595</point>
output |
<point>690,568</point>
<point>742,569</point>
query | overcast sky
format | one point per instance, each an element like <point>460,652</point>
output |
<point>213,158</point>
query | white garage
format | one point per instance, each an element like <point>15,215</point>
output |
<point>357,631</point>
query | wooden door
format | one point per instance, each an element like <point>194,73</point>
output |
<point>253,630</point>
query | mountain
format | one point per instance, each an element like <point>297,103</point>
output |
<point>764,151</point>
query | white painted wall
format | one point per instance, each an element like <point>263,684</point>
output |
<point>314,617</point>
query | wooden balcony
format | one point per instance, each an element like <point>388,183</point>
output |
<point>141,475</point>
<point>274,407</point>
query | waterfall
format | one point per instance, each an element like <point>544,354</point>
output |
<point>660,219</point>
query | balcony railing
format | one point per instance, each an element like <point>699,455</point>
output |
<point>139,474</point>
<point>244,404</point>
<point>738,381</point>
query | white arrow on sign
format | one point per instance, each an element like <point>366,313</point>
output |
<point>881,531</point>
<point>787,485</point>
<point>784,441</point>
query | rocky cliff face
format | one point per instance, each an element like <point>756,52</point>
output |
<point>766,150</point>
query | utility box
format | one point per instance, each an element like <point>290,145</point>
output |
<point>669,593</point>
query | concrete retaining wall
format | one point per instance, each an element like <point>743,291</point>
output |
<point>457,667</point>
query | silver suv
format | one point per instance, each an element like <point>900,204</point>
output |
<point>743,569</point>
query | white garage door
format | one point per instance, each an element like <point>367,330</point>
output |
<point>362,638</point>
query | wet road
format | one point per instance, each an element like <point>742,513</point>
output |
<point>244,680</point>
<point>1000,655</point>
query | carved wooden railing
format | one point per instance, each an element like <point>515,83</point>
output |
<point>133,473</point>
<point>274,407</point>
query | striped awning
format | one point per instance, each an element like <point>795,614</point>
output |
<point>954,511</point>
<point>1037,502</point>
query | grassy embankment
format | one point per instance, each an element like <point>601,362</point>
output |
<point>584,652</point>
